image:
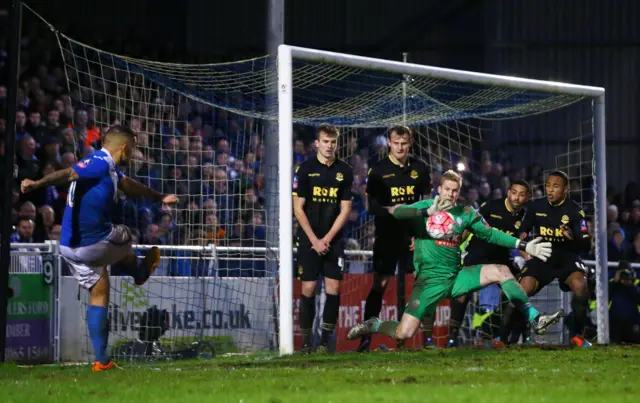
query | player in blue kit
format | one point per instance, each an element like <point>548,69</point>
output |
<point>89,241</point>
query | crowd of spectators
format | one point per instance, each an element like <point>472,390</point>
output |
<point>214,160</point>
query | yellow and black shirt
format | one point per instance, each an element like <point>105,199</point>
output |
<point>500,216</point>
<point>388,184</point>
<point>544,220</point>
<point>323,187</point>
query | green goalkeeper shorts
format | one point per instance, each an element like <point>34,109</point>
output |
<point>428,292</point>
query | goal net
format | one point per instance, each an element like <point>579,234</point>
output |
<point>204,134</point>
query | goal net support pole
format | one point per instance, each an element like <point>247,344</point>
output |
<point>600,230</point>
<point>286,56</point>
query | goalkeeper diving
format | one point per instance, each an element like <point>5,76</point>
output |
<point>438,225</point>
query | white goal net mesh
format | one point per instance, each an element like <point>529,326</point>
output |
<point>201,135</point>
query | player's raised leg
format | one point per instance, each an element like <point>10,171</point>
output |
<point>116,249</point>
<point>143,269</point>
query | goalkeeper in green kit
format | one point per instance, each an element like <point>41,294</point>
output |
<point>438,225</point>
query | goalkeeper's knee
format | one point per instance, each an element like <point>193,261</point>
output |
<point>496,273</point>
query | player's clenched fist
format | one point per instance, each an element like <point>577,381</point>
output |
<point>27,185</point>
<point>566,232</point>
<point>321,246</point>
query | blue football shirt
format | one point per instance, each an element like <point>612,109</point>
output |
<point>87,216</point>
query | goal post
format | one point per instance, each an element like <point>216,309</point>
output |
<point>563,95</point>
<point>285,161</point>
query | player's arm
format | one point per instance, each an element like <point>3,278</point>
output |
<point>410,211</point>
<point>484,210</point>
<point>374,190</point>
<point>422,208</point>
<point>303,221</point>
<point>300,193</point>
<point>132,187</point>
<point>57,178</point>
<point>88,168</point>
<point>341,220</point>
<point>345,208</point>
<point>415,213</point>
<point>536,248</point>
<point>482,230</point>
<point>577,235</point>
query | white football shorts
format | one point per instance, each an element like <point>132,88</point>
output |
<point>87,263</point>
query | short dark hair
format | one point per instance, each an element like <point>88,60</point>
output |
<point>401,131</point>
<point>560,174</point>
<point>23,218</point>
<point>523,183</point>
<point>118,130</point>
<point>329,130</point>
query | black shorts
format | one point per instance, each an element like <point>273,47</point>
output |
<point>546,272</point>
<point>389,254</point>
<point>311,265</point>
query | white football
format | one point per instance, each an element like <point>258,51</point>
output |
<point>441,225</point>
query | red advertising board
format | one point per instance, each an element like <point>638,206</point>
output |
<point>354,291</point>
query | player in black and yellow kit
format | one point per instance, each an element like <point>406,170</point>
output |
<point>504,215</point>
<point>321,204</point>
<point>397,179</point>
<point>562,222</point>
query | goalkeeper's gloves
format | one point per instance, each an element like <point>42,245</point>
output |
<point>535,248</point>
<point>439,204</point>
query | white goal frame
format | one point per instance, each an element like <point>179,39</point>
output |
<point>286,54</point>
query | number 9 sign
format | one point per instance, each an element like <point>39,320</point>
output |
<point>48,268</point>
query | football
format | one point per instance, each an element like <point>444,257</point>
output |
<point>441,225</point>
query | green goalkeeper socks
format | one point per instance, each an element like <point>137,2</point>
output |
<point>516,294</point>
<point>387,328</point>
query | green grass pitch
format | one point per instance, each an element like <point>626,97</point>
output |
<point>456,375</point>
